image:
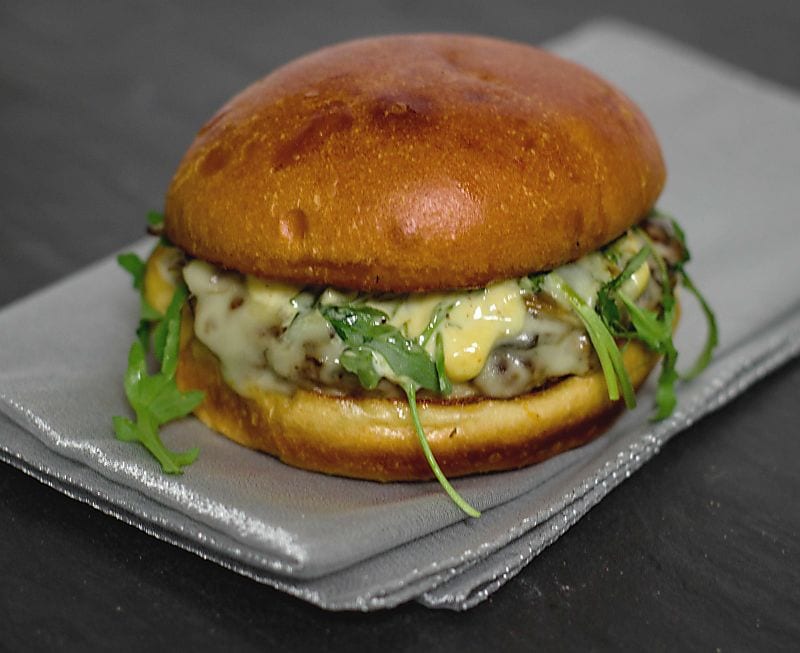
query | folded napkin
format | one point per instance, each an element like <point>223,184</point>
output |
<point>732,143</point>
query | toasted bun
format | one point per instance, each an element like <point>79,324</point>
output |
<point>412,163</point>
<point>374,439</point>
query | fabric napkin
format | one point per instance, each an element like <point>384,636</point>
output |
<point>731,142</point>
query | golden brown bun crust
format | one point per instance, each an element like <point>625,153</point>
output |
<point>416,162</point>
<point>374,439</point>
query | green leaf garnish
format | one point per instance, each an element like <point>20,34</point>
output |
<point>173,315</point>
<point>155,398</point>
<point>438,317</point>
<point>364,326</point>
<point>653,328</point>
<point>665,387</point>
<point>360,362</point>
<point>411,394</point>
<point>606,304</point>
<point>147,314</point>
<point>143,334</point>
<point>407,359</point>
<point>656,332</point>
<point>356,324</point>
<point>660,332</point>
<point>366,333</point>
<point>628,271</point>
<point>712,332</point>
<point>604,345</point>
<point>445,387</point>
<point>135,265</point>
<point>155,219</point>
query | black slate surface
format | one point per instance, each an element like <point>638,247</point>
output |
<point>98,101</point>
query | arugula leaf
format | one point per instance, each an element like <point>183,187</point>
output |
<point>652,328</point>
<point>155,218</point>
<point>439,315</point>
<point>364,326</point>
<point>366,333</point>
<point>356,324</point>
<point>407,359</point>
<point>360,362</point>
<point>155,398</point>
<point>135,265</point>
<point>628,271</point>
<point>147,314</point>
<point>680,235</point>
<point>649,327</point>
<point>656,332</point>
<point>604,345</point>
<point>606,305</point>
<point>666,400</point>
<point>143,334</point>
<point>712,333</point>
<point>172,315</point>
<point>608,310</point>
<point>667,293</point>
<point>411,394</point>
<point>445,387</point>
<point>712,330</point>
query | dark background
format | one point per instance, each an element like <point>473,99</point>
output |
<point>99,100</point>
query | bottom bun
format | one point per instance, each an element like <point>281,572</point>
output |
<point>373,438</point>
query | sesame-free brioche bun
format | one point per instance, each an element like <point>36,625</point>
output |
<point>373,438</point>
<point>414,163</point>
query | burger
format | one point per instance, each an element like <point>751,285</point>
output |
<point>412,256</point>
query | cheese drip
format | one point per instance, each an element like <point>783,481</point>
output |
<point>476,322</point>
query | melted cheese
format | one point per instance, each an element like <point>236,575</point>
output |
<point>239,322</point>
<point>475,323</point>
<point>273,298</point>
<point>272,336</point>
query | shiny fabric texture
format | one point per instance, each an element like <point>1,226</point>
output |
<point>732,145</point>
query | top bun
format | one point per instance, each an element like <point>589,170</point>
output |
<point>414,163</point>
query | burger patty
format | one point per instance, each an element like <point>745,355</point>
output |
<point>500,341</point>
